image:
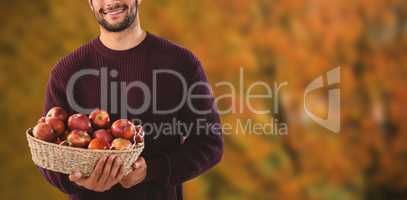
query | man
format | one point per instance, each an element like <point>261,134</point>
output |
<point>131,55</point>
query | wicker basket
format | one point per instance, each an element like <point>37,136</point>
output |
<point>66,159</point>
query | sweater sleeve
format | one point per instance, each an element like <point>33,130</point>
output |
<point>55,96</point>
<point>203,147</point>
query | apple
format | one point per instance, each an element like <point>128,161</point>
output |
<point>98,143</point>
<point>79,122</point>
<point>44,132</point>
<point>120,144</point>
<point>78,138</point>
<point>56,124</point>
<point>139,139</point>
<point>123,128</point>
<point>99,118</point>
<point>41,120</point>
<point>104,135</point>
<point>58,112</point>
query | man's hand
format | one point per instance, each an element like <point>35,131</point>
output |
<point>107,173</point>
<point>137,175</point>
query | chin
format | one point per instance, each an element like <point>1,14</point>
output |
<point>116,22</point>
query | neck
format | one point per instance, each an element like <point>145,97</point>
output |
<point>123,40</point>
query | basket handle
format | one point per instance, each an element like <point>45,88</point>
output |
<point>134,145</point>
<point>141,131</point>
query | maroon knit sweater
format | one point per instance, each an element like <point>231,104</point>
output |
<point>171,160</point>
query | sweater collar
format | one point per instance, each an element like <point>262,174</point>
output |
<point>105,51</point>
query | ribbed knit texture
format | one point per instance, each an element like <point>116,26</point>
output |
<point>170,161</point>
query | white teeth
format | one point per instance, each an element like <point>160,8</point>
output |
<point>114,12</point>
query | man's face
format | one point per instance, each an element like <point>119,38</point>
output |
<point>115,15</point>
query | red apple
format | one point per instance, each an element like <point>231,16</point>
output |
<point>120,144</point>
<point>98,143</point>
<point>56,124</point>
<point>79,122</point>
<point>59,113</point>
<point>123,128</point>
<point>139,139</point>
<point>139,135</point>
<point>44,132</point>
<point>41,120</point>
<point>99,118</point>
<point>78,138</point>
<point>104,135</point>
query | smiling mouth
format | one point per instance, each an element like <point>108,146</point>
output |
<point>114,11</point>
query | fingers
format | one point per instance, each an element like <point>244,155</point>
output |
<point>98,169</point>
<point>135,165</point>
<point>138,163</point>
<point>120,174</point>
<point>106,171</point>
<point>136,176</point>
<point>115,170</point>
<point>126,181</point>
<point>75,176</point>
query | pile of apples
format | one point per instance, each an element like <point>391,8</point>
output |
<point>82,131</point>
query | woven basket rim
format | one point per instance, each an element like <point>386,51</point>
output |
<point>29,136</point>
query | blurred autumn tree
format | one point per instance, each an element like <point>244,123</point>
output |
<point>274,41</point>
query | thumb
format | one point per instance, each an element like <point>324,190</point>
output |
<point>75,176</point>
<point>137,164</point>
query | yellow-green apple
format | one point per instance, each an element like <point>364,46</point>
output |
<point>99,118</point>
<point>120,144</point>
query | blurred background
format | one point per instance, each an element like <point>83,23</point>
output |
<point>273,41</point>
